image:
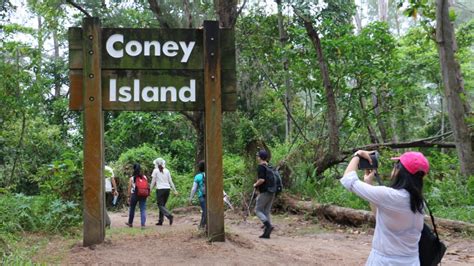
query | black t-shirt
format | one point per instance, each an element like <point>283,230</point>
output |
<point>262,174</point>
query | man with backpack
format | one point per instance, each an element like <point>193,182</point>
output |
<point>267,188</point>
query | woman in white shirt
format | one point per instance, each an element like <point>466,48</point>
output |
<point>398,208</point>
<point>161,179</point>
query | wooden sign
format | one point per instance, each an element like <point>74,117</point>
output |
<point>150,70</point>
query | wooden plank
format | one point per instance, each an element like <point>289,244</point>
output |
<point>75,90</point>
<point>213,124</point>
<point>153,62</point>
<point>159,78</point>
<point>94,196</point>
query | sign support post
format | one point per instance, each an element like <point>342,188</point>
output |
<point>116,69</point>
<point>94,209</point>
<point>213,132</point>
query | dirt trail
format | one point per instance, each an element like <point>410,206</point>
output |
<point>295,241</point>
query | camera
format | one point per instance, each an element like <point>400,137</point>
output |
<point>364,163</point>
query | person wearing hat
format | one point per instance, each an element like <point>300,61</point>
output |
<point>161,179</point>
<point>398,208</point>
<point>264,185</point>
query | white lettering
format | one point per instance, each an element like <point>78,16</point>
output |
<point>136,48</point>
<point>110,45</point>
<point>187,50</point>
<point>136,90</point>
<point>146,91</point>
<point>156,48</point>
<point>151,93</point>
<point>113,90</point>
<point>191,90</point>
<point>172,91</point>
<point>170,48</point>
<point>125,95</point>
<point>133,51</point>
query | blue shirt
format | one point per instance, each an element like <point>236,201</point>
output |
<point>199,179</point>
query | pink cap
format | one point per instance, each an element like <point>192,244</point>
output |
<point>414,162</point>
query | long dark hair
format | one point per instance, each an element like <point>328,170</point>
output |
<point>201,166</point>
<point>137,172</point>
<point>413,183</point>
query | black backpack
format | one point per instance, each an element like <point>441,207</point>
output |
<point>274,175</point>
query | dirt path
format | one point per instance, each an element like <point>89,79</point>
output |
<point>294,242</point>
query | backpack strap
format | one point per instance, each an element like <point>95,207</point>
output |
<point>432,219</point>
<point>377,177</point>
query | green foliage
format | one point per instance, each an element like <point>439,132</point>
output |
<point>63,178</point>
<point>169,132</point>
<point>143,155</point>
<point>452,197</point>
<point>236,180</point>
<point>44,213</point>
<point>26,147</point>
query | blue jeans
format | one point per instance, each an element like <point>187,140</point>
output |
<point>133,203</point>
<point>202,202</point>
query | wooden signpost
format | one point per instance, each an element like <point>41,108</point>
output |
<point>150,70</point>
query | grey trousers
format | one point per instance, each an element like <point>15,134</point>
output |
<point>264,206</point>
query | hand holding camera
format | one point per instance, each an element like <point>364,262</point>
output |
<point>368,159</point>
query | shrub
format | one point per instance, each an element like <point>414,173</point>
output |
<point>45,213</point>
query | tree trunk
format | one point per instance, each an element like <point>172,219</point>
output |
<point>333,130</point>
<point>397,21</point>
<point>40,49</point>
<point>156,9</point>
<point>358,21</point>
<point>187,11</point>
<point>378,114</point>
<point>370,129</point>
<point>283,41</point>
<point>456,97</point>
<point>383,10</point>
<point>226,12</point>
<point>198,124</point>
<point>57,76</point>
<point>353,217</point>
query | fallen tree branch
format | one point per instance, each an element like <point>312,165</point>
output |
<point>352,217</point>
<point>422,143</point>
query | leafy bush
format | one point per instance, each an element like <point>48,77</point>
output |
<point>63,177</point>
<point>45,213</point>
<point>451,197</point>
<point>144,155</point>
<point>236,181</point>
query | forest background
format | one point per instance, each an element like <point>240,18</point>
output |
<point>317,80</point>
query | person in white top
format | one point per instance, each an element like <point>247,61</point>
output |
<point>398,208</point>
<point>161,179</point>
<point>110,189</point>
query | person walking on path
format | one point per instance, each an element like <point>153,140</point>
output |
<point>398,208</point>
<point>161,178</point>
<point>266,187</point>
<point>133,198</point>
<point>199,185</point>
<point>110,190</point>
